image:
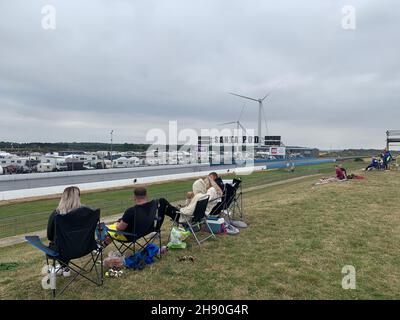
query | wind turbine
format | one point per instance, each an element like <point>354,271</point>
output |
<point>260,109</point>
<point>237,122</point>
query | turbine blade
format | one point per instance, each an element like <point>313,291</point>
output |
<point>221,124</point>
<point>244,129</point>
<point>238,95</point>
<point>241,112</point>
<point>266,96</point>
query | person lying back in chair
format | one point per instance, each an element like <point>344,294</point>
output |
<point>199,191</point>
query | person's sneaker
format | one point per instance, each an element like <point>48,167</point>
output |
<point>230,229</point>
<point>66,272</point>
<point>57,269</point>
<point>238,223</point>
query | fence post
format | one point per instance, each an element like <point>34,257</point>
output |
<point>15,226</point>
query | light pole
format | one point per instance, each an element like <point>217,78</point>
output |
<point>112,162</point>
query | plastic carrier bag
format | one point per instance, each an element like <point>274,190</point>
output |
<point>177,238</point>
<point>114,260</point>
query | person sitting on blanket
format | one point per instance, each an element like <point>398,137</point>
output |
<point>343,169</point>
<point>340,174</point>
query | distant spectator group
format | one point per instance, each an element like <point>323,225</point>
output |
<point>382,162</point>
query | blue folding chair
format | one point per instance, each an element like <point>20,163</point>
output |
<point>74,239</point>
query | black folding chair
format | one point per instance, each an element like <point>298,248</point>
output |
<point>199,218</point>
<point>74,239</point>
<point>231,201</point>
<point>146,226</point>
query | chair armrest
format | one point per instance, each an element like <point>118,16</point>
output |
<point>123,233</point>
<point>37,243</point>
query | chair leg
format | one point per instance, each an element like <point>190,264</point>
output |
<point>209,228</point>
<point>53,290</point>
<point>101,267</point>
<point>191,230</point>
<point>159,238</point>
<point>174,224</point>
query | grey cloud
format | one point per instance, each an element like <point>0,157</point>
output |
<point>134,65</point>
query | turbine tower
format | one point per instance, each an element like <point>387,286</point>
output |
<point>260,109</point>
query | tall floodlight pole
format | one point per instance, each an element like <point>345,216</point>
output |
<point>111,146</point>
<point>260,108</point>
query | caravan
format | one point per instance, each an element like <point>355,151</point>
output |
<point>124,162</point>
<point>45,167</point>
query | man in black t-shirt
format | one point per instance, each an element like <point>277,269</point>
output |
<point>126,223</point>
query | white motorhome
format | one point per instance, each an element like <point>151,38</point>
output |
<point>107,164</point>
<point>124,162</point>
<point>57,162</point>
<point>7,159</point>
<point>45,167</point>
<point>88,158</point>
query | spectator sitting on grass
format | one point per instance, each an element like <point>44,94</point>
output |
<point>343,169</point>
<point>373,165</point>
<point>340,173</point>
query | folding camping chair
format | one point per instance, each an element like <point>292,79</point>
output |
<point>74,239</point>
<point>231,201</point>
<point>146,225</point>
<point>199,218</point>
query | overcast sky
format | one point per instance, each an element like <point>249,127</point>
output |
<point>134,65</point>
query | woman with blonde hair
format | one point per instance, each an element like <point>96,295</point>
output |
<point>70,201</point>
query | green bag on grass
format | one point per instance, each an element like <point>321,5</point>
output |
<point>177,237</point>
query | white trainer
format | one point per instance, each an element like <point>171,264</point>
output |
<point>66,272</point>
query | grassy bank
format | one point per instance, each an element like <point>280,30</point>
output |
<point>31,216</point>
<point>298,240</point>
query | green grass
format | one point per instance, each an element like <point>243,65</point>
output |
<point>298,240</point>
<point>32,216</point>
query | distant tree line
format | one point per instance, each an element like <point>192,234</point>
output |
<point>69,146</point>
<point>354,153</point>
